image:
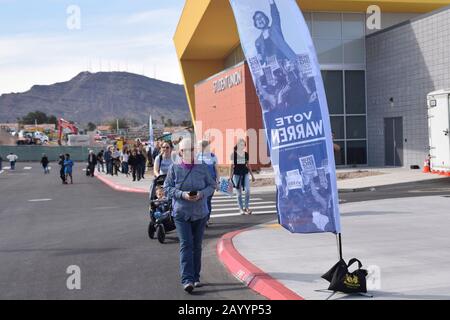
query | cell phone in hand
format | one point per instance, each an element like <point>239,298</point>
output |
<point>193,193</point>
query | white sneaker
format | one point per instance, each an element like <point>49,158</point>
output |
<point>189,287</point>
<point>242,212</point>
<point>198,284</point>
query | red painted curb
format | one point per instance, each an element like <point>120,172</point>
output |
<point>255,278</point>
<point>118,187</point>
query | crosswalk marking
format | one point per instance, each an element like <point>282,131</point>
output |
<point>39,200</point>
<point>27,168</point>
<point>251,203</point>
<point>253,208</point>
<point>218,196</point>
<point>232,200</point>
<point>238,214</point>
<point>1,171</point>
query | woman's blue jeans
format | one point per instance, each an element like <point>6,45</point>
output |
<point>190,234</point>
<point>125,169</point>
<point>245,182</point>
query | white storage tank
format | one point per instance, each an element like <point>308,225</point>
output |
<point>439,129</point>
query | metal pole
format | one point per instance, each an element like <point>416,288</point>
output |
<point>339,244</point>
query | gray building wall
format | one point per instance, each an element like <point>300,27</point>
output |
<point>406,62</point>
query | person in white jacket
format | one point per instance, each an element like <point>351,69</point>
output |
<point>12,158</point>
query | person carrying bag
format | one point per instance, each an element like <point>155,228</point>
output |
<point>239,175</point>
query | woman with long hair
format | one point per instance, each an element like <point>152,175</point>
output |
<point>164,160</point>
<point>239,175</point>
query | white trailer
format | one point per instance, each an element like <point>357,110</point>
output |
<point>439,129</point>
<point>79,140</point>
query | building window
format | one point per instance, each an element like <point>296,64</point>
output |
<point>356,152</point>
<point>329,51</point>
<point>355,92</point>
<point>353,26</point>
<point>338,127</point>
<point>339,155</point>
<point>334,85</point>
<point>339,39</point>
<point>327,25</point>
<point>356,127</point>
<point>354,51</point>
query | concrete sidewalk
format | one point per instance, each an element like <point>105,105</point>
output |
<point>126,184</point>
<point>406,239</point>
<point>384,177</point>
<point>389,176</point>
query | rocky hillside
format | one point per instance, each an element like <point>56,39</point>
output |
<point>99,97</point>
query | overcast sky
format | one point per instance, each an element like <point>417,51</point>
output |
<point>38,47</point>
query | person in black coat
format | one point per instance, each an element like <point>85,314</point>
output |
<point>92,162</point>
<point>100,162</point>
<point>141,165</point>
<point>45,162</point>
<point>134,164</point>
<point>62,173</point>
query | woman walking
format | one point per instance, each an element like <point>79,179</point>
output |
<point>141,163</point>
<point>164,160</point>
<point>133,163</point>
<point>44,163</point>
<point>240,171</point>
<point>125,155</point>
<point>189,185</point>
<point>100,162</point>
<point>92,162</point>
<point>62,171</point>
<point>68,165</point>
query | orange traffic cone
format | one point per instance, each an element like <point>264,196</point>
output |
<point>426,166</point>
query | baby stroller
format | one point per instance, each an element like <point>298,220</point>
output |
<point>160,223</point>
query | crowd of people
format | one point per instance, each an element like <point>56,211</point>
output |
<point>133,161</point>
<point>192,178</point>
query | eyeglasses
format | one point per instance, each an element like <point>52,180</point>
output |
<point>165,147</point>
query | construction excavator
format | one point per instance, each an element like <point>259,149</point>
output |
<point>65,127</point>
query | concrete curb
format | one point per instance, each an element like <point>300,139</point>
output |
<point>253,277</point>
<point>118,187</point>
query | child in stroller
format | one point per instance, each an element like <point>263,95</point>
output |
<point>161,220</point>
<point>160,206</point>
